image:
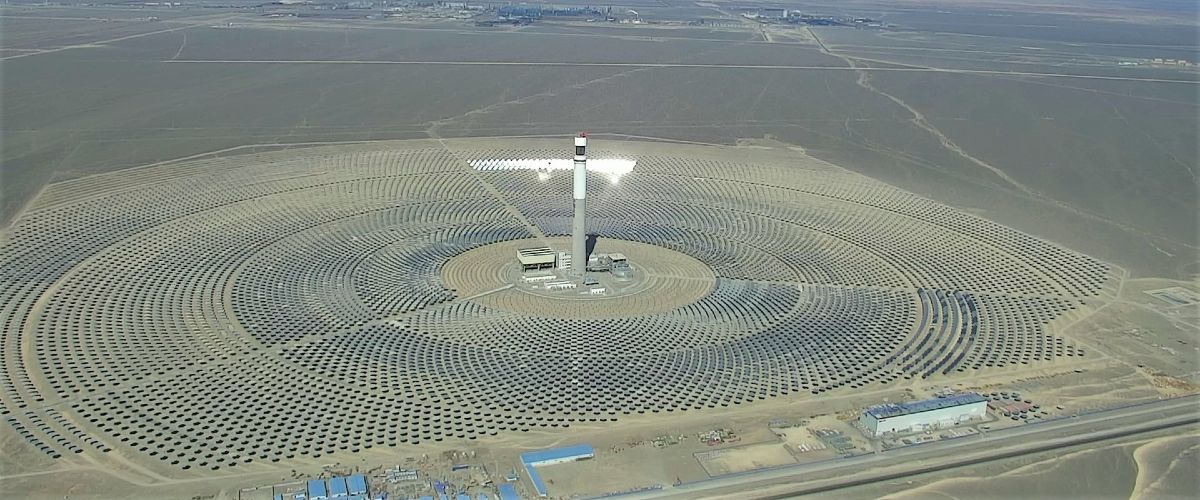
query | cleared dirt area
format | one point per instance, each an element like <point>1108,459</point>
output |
<point>244,249</point>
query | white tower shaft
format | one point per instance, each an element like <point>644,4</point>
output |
<point>578,229</point>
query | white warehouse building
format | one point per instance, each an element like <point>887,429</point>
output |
<point>918,416</point>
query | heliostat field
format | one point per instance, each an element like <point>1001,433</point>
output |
<point>287,305</point>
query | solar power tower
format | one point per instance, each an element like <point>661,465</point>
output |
<point>578,237</point>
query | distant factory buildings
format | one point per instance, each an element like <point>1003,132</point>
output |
<point>769,13</point>
<point>923,415</point>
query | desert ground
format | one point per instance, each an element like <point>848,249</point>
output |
<point>1094,155</point>
<point>1024,118</point>
<point>1152,466</point>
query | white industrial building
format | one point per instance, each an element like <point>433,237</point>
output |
<point>533,259</point>
<point>919,416</point>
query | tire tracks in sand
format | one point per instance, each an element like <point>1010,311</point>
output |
<point>918,119</point>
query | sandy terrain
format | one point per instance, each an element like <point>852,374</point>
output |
<point>1083,143</point>
<point>750,457</point>
<point>1152,468</point>
<point>1097,157</point>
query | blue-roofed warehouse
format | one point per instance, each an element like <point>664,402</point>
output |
<point>916,416</point>
<point>317,490</point>
<point>508,492</point>
<point>534,459</point>
<point>357,484</point>
<point>337,487</point>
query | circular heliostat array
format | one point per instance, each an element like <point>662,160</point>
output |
<point>274,306</point>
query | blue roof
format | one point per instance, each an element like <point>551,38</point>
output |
<point>536,479</point>
<point>316,488</point>
<point>463,496</point>
<point>576,451</point>
<point>337,487</point>
<point>357,484</point>
<point>508,492</point>
<point>895,410</point>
